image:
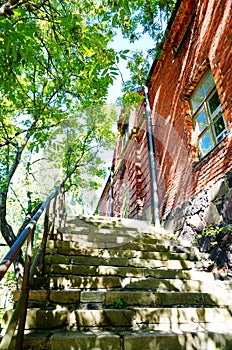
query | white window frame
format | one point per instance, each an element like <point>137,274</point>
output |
<point>209,126</point>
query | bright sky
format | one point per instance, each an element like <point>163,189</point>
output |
<point>120,43</point>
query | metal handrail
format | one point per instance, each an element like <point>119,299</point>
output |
<point>20,311</point>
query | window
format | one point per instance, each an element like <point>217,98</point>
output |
<point>208,120</point>
<point>125,134</point>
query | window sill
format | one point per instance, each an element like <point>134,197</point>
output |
<point>198,164</point>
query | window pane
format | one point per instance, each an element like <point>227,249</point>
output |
<point>214,102</point>
<point>202,122</point>
<point>219,126</point>
<point>208,83</point>
<point>197,98</point>
<point>208,118</point>
<point>206,142</point>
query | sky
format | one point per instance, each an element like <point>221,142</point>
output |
<point>118,44</point>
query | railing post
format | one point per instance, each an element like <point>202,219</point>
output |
<point>61,206</point>
<point>25,291</point>
<point>45,238</point>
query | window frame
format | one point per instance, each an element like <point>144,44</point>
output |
<point>211,118</point>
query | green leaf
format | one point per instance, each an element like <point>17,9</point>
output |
<point>127,6</point>
<point>115,20</point>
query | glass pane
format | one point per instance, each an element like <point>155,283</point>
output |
<point>197,98</point>
<point>208,83</point>
<point>214,102</point>
<point>206,142</point>
<point>219,126</point>
<point>202,91</point>
<point>202,122</point>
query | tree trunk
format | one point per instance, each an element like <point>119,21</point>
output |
<point>9,236</point>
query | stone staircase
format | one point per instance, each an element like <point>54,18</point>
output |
<point>114,284</point>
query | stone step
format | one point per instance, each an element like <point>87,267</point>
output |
<point>100,229</point>
<point>86,260</point>
<point>183,315</point>
<point>113,222</point>
<point>95,234</point>
<point>143,340</point>
<point>194,275</point>
<point>74,248</point>
<point>112,242</point>
<point>95,237</point>
<point>128,298</point>
<point>124,318</point>
<point>134,268</point>
<point>202,340</point>
<point>64,319</point>
<point>105,282</point>
<point>72,340</point>
<point>152,246</point>
<point>167,299</point>
<point>85,270</point>
<point>169,264</point>
<point>67,282</point>
<point>175,285</point>
<point>115,261</point>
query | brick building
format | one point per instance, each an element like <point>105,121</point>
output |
<point>189,91</point>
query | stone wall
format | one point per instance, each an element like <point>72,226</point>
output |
<point>212,206</point>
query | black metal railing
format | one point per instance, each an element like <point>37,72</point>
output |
<point>54,212</point>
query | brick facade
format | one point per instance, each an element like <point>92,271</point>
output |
<point>199,39</point>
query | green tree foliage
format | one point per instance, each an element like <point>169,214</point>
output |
<point>54,63</point>
<point>135,19</point>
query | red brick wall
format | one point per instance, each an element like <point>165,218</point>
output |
<point>103,207</point>
<point>132,173</point>
<point>199,38</point>
<point>206,44</point>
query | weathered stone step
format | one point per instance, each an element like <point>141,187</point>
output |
<point>74,248</point>
<point>123,318</point>
<point>62,318</point>
<point>67,282</point>
<point>123,235</point>
<point>113,222</point>
<point>150,246</point>
<point>175,285</point>
<point>104,282</point>
<point>72,340</point>
<point>203,340</point>
<point>167,299</point>
<point>134,268</point>
<point>115,261</point>
<point>86,260</point>
<point>151,340</point>
<point>169,264</point>
<point>85,270</point>
<point>95,238</point>
<point>180,274</point>
<point>129,298</point>
<point>119,243</point>
<point>182,315</point>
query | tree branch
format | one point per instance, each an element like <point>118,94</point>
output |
<point>18,200</point>
<point>77,165</point>
<point>11,138</point>
<point>7,8</point>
